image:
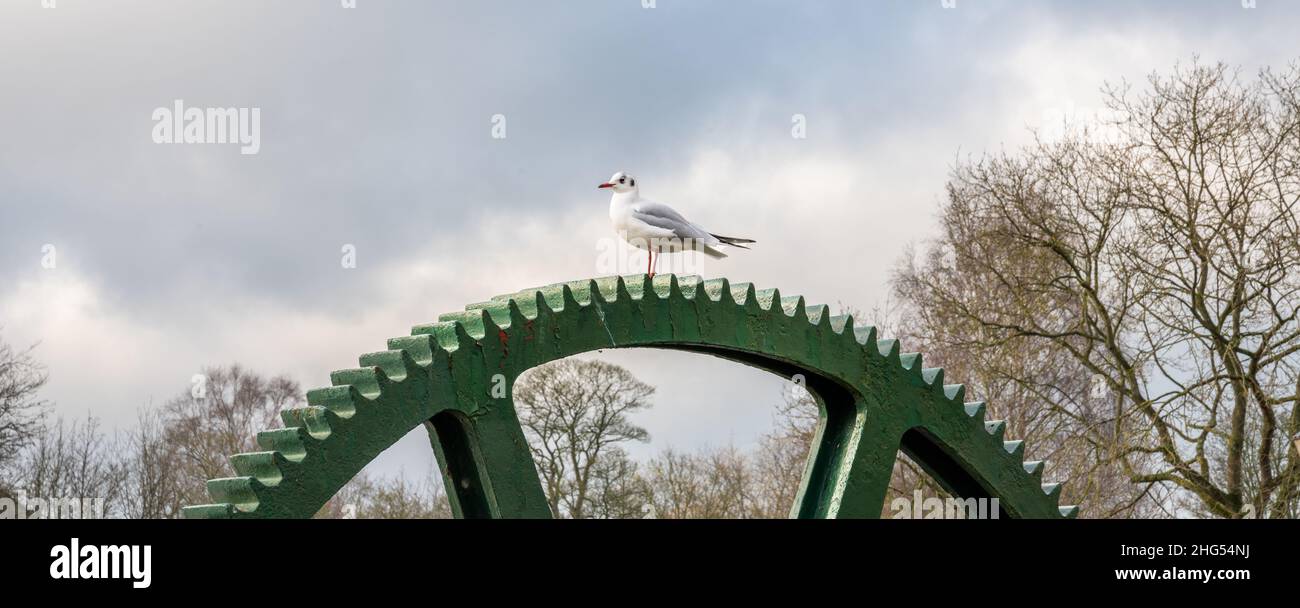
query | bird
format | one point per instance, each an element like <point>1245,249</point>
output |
<point>653,226</point>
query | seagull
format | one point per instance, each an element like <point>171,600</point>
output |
<point>652,226</point>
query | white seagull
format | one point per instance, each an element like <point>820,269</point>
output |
<point>652,226</point>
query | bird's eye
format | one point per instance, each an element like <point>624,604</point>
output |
<point>622,180</point>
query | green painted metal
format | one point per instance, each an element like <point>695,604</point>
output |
<point>454,377</point>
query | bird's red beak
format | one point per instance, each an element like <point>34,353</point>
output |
<point>606,185</point>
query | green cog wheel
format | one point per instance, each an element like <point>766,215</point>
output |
<point>454,377</point>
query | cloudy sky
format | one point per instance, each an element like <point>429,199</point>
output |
<point>376,131</point>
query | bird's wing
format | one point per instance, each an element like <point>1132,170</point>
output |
<point>662,216</point>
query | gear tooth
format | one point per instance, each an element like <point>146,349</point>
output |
<point>686,287</point>
<point>648,290</point>
<point>470,320</point>
<point>840,322</point>
<point>221,511</point>
<point>450,335</point>
<point>551,297</point>
<point>622,291</point>
<point>518,317</point>
<point>341,399</point>
<point>238,491</point>
<point>578,290</point>
<point>674,286</point>
<point>932,376</point>
<point>495,317</point>
<point>418,348</point>
<point>817,313</point>
<point>1053,491</point>
<point>542,304</point>
<point>1069,511</point>
<point>911,361</point>
<point>794,306</point>
<point>521,309</point>
<point>267,467</point>
<point>717,290</point>
<point>976,410</point>
<point>395,364</point>
<point>995,428</point>
<point>461,315</point>
<point>954,392</point>
<point>316,420</point>
<point>464,339</point>
<point>742,293</point>
<point>1016,448</point>
<point>596,293</point>
<point>889,349</point>
<point>1034,467</point>
<point>823,322</point>
<point>570,298</point>
<point>615,289</point>
<point>660,285</point>
<point>728,294</point>
<point>366,380</point>
<point>767,299</point>
<point>912,364</point>
<point>865,335</point>
<point>688,290</point>
<point>491,325</point>
<point>290,442</point>
<point>605,290</point>
<point>692,287</point>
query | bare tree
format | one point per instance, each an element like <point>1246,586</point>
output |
<point>710,484</point>
<point>21,411</point>
<point>202,429</point>
<point>72,463</point>
<point>366,497</point>
<point>1136,295</point>
<point>617,490</point>
<point>154,470</point>
<point>575,413</point>
<point>1045,395</point>
<point>782,454</point>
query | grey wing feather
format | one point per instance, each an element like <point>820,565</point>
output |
<point>660,215</point>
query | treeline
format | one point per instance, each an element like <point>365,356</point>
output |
<point>159,464</point>
<point>579,416</point>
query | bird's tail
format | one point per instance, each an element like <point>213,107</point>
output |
<point>713,252</point>
<point>733,241</point>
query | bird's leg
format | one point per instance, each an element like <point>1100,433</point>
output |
<point>649,261</point>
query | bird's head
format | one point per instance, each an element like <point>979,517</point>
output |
<point>620,182</point>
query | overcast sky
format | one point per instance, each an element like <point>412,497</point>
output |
<point>376,131</point>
